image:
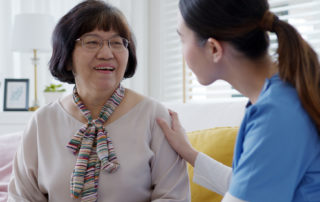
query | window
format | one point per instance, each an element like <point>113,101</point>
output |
<point>172,62</point>
<point>180,84</point>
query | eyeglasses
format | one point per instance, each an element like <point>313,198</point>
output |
<point>95,43</point>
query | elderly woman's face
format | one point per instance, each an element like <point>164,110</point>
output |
<point>99,60</point>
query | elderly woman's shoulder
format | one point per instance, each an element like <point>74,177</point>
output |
<point>46,109</point>
<point>147,102</point>
<point>133,97</point>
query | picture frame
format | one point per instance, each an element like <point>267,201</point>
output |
<point>16,95</point>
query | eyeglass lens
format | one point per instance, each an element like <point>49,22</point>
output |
<point>93,43</point>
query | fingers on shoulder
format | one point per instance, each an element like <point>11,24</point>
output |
<point>173,114</point>
<point>163,124</point>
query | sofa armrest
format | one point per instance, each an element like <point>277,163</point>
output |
<point>217,143</point>
<point>8,147</point>
<point>202,115</point>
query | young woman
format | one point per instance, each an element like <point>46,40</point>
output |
<point>277,152</point>
<point>101,143</point>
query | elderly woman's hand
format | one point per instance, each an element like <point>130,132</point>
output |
<point>177,138</point>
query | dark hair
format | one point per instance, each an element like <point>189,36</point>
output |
<point>83,18</point>
<point>244,23</point>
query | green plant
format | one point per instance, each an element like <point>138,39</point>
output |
<point>54,88</point>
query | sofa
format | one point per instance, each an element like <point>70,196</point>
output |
<point>211,128</point>
<point>8,146</point>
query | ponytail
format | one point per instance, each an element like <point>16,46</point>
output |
<point>299,65</point>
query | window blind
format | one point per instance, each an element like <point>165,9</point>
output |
<point>304,15</point>
<point>172,62</point>
<point>180,84</point>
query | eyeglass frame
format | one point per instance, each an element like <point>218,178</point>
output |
<point>101,44</point>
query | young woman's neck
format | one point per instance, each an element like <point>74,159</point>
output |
<point>248,76</point>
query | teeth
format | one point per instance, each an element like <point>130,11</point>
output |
<point>105,68</point>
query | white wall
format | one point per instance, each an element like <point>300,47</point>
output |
<point>5,55</point>
<point>154,47</point>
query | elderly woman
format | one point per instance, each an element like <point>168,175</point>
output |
<point>102,142</point>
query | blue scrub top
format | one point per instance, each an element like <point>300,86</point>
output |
<point>277,152</point>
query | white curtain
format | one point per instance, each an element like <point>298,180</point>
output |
<point>18,65</point>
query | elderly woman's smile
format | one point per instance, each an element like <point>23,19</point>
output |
<point>104,68</point>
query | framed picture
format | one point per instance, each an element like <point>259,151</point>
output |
<point>16,95</point>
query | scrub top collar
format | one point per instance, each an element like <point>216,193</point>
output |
<point>266,86</point>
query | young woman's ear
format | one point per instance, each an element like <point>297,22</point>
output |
<point>216,49</point>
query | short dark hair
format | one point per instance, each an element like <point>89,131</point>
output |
<point>83,18</point>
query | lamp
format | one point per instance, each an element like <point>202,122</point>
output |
<point>32,32</point>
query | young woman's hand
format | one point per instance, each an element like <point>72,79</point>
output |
<point>177,138</point>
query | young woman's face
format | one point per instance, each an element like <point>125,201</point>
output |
<point>198,57</point>
<point>101,68</point>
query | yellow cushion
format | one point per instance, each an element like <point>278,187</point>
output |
<point>217,143</point>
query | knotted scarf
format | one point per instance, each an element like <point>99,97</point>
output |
<point>94,148</point>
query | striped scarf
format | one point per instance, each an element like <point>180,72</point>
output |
<point>94,149</point>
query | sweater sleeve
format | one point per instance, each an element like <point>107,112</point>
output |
<point>211,174</point>
<point>169,171</point>
<point>23,184</point>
